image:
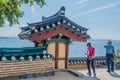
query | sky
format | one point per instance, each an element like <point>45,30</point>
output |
<point>101,17</point>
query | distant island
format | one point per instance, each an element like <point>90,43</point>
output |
<point>8,37</point>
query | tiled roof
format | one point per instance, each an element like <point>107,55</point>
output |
<point>25,53</point>
<point>52,22</point>
<point>83,60</point>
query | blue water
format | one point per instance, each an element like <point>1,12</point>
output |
<point>79,48</point>
<point>76,49</point>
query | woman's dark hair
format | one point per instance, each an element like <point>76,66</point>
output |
<point>88,44</point>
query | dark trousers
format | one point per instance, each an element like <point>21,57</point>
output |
<point>91,62</point>
<point>110,62</point>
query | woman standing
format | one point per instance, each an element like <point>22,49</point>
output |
<point>90,59</point>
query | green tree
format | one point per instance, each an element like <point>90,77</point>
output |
<point>10,10</point>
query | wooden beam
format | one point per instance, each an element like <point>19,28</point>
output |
<point>55,32</point>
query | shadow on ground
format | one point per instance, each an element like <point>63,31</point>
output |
<point>115,75</point>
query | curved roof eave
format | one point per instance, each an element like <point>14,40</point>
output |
<point>76,25</point>
<point>55,19</point>
<point>52,20</point>
<point>25,28</point>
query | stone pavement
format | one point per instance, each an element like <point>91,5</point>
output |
<point>64,75</point>
<point>103,75</point>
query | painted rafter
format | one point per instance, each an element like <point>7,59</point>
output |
<point>55,32</point>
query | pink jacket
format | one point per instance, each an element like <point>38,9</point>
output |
<point>91,51</point>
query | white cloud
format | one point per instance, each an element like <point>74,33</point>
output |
<point>104,7</point>
<point>22,25</point>
<point>97,9</point>
<point>80,2</point>
<point>11,31</point>
<point>33,11</point>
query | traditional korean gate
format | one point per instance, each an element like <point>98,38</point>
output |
<point>58,31</point>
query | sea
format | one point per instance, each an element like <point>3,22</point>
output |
<point>76,49</point>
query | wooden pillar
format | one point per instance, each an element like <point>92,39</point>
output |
<point>56,55</point>
<point>36,44</point>
<point>66,55</point>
